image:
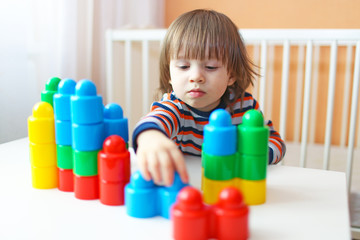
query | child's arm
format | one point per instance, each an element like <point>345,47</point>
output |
<point>159,157</point>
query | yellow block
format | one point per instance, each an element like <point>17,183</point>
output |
<point>212,188</point>
<point>41,125</point>
<point>44,178</point>
<point>254,192</point>
<point>43,155</point>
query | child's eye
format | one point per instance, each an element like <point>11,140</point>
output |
<point>183,67</point>
<point>211,67</point>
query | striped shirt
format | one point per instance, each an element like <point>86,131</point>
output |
<point>184,124</point>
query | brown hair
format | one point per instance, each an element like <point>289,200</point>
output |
<point>198,30</point>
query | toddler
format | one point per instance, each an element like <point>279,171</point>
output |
<point>203,66</point>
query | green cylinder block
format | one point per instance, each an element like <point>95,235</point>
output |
<point>252,167</point>
<point>253,136</point>
<point>65,158</point>
<point>219,167</point>
<point>86,163</point>
<point>51,88</point>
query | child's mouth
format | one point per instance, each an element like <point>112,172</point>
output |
<point>196,93</point>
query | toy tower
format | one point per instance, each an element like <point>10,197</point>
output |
<point>253,155</point>
<point>62,111</point>
<point>88,136</point>
<point>42,147</point>
<point>235,156</point>
<point>218,155</point>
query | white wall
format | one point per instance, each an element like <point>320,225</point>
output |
<point>18,93</point>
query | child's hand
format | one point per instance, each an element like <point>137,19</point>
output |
<point>159,157</point>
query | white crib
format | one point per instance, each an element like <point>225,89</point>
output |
<point>306,58</point>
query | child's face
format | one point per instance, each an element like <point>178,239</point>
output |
<point>199,83</point>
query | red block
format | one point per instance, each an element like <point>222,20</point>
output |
<point>114,170</point>
<point>227,219</point>
<point>66,180</point>
<point>190,216</point>
<point>86,188</point>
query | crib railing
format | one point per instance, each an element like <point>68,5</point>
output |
<point>317,56</point>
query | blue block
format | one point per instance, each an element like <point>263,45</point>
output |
<point>220,135</point>
<point>62,110</point>
<point>63,133</point>
<point>144,199</point>
<point>88,137</point>
<point>86,105</point>
<point>115,123</point>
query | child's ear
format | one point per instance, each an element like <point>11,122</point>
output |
<point>231,81</point>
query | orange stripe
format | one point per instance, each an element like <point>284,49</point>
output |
<point>277,145</point>
<point>191,146</point>
<point>192,133</point>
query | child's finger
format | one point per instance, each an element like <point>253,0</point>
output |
<point>180,165</point>
<point>154,167</point>
<point>143,166</point>
<point>167,168</point>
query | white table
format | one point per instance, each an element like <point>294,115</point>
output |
<point>301,204</point>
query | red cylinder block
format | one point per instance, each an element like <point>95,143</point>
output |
<point>66,180</point>
<point>86,188</point>
<point>231,215</point>
<point>226,220</point>
<point>190,216</point>
<point>114,170</point>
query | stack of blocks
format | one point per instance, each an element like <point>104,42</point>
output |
<point>235,156</point>
<point>193,220</point>
<point>64,152</point>
<point>69,159</point>
<point>42,147</point>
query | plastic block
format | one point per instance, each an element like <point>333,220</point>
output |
<point>212,188</point>
<point>141,197</point>
<point>63,134</point>
<point>190,217</point>
<point>85,163</point>
<point>115,123</point>
<point>43,155</point>
<point>86,105</point>
<point>114,160</point>
<point>114,170</point>
<point>219,167</point>
<point>227,219</point>
<point>44,177</point>
<point>41,125</point>
<point>112,193</point>
<point>254,191</point>
<point>88,137</point>
<point>219,134</point>
<point>144,199</point>
<point>253,167</point>
<point>253,136</point>
<point>66,180</point>
<point>65,157</point>
<point>231,214</point>
<point>86,188</point>
<point>62,108</point>
<point>51,88</point>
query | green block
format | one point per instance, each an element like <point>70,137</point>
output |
<point>252,167</point>
<point>86,163</point>
<point>51,88</point>
<point>253,136</point>
<point>64,155</point>
<point>219,167</point>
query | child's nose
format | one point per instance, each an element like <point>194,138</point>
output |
<point>197,75</point>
